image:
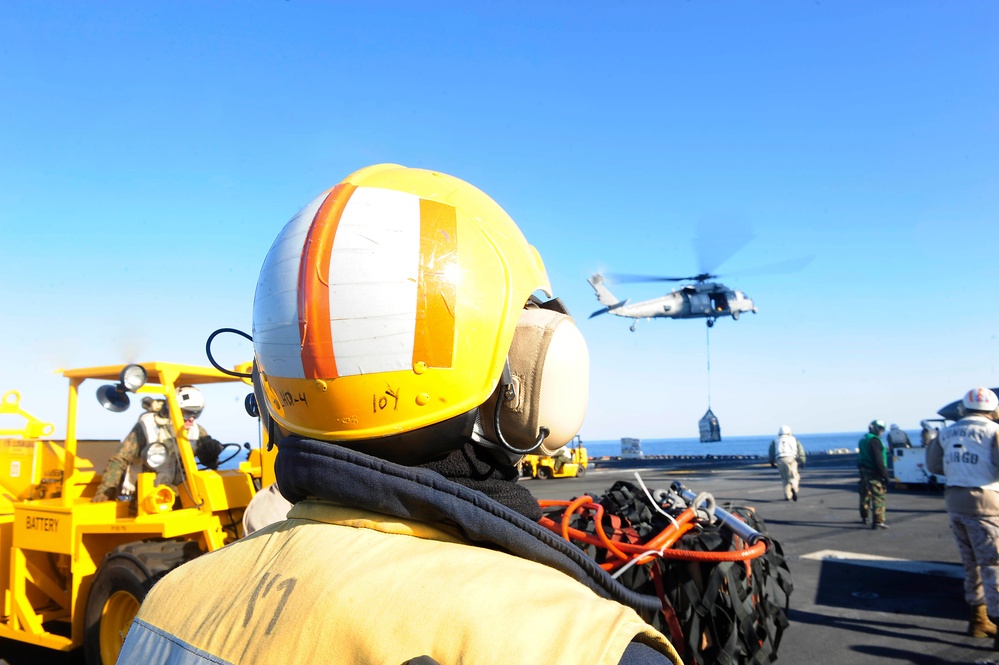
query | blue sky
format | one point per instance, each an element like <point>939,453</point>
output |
<point>150,152</point>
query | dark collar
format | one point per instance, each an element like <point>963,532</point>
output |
<point>307,468</point>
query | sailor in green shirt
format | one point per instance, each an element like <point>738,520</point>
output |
<point>873,464</point>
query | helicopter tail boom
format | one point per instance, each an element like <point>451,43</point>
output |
<point>604,295</point>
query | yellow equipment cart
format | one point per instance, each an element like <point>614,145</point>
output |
<point>73,572</point>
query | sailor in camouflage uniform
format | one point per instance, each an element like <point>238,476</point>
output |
<point>154,427</point>
<point>872,461</point>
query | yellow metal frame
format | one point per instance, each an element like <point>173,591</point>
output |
<point>10,404</point>
<point>52,546</point>
<point>580,460</point>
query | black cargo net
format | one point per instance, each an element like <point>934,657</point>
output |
<point>723,582</point>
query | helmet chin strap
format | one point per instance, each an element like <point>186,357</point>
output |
<point>508,393</point>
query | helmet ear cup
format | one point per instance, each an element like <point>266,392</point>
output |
<point>549,364</point>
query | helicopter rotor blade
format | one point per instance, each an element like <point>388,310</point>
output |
<point>718,238</point>
<point>627,278</point>
<point>780,267</point>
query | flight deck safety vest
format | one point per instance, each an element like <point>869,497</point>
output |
<point>157,429</point>
<point>898,438</point>
<point>343,585</point>
<point>865,456</point>
<point>787,446</point>
<point>967,453</point>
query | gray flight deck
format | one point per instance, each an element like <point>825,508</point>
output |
<point>860,596</point>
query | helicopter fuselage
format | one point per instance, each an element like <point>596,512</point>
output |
<point>708,300</point>
<point>697,301</point>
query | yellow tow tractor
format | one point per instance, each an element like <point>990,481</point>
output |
<point>74,572</point>
<point>572,462</point>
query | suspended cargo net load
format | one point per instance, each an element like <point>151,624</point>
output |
<point>709,427</point>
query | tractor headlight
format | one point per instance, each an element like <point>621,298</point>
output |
<point>156,454</point>
<point>115,397</point>
<point>132,377</point>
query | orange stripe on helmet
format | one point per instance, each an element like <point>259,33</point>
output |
<point>435,294</point>
<point>318,361</point>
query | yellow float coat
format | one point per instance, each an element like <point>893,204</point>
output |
<point>342,585</point>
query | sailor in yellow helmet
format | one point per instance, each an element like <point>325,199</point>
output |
<point>402,348</point>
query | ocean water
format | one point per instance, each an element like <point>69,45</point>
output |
<point>731,445</point>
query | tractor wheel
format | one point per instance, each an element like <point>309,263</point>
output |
<point>118,589</point>
<point>544,473</point>
<point>122,581</point>
<point>581,472</point>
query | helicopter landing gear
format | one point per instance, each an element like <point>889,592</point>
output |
<point>735,315</point>
<point>711,323</point>
<point>633,325</point>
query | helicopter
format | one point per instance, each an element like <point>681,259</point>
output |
<point>717,239</point>
<point>700,299</point>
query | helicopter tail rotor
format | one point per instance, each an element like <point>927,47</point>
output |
<point>600,311</point>
<point>609,308</point>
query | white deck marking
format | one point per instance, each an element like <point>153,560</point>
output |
<point>889,563</point>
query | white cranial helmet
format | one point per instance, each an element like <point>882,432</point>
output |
<point>784,429</point>
<point>190,400</point>
<point>980,399</point>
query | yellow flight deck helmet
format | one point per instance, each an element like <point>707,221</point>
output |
<point>388,304</point>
